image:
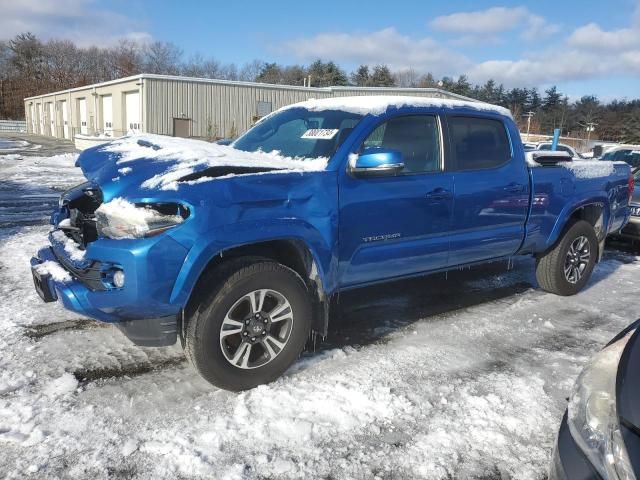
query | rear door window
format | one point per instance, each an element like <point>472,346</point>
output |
<point>478,143</point>
<point>416,137</point>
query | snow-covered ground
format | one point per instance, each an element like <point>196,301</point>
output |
<point>456,376</point>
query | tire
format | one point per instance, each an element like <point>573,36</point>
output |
<point>230,359</point>
<point>551,268</point>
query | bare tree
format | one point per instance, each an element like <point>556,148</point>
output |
<point>125,59</point>
<point>408,78</point>
<point>161,58</point>
<point>198,66</point>
<point>250,71</point>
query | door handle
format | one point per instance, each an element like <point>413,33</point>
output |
<point>439,194</point>
<point>514,188</point>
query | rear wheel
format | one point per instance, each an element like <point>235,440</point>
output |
<point>566,268</point>
<point>251,326</point>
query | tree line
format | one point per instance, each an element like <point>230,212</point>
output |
<point>30,66</point>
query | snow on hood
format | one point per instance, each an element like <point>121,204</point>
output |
<point>169,161</point>
<point>377,105</point>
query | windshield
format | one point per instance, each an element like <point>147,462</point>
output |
<point>300,133</point>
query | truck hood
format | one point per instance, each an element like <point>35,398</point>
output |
<point>154,163</point>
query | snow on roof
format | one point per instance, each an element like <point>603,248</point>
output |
<point>186,156</point>
<point>378,104</point>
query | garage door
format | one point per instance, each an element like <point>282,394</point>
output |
<point>32,113</point>
<point>82,106</point>
<point>65,119</point>
<point>132,111</point>
<point>107,114</point>
<point>52,120</point>
<point>40,115</point>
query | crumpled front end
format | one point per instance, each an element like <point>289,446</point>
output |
<point>127,282</point>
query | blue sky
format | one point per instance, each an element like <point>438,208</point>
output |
<point>583,47</point>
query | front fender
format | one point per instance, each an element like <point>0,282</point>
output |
<point>216,242</point>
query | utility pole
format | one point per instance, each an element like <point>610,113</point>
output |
<point>589,127</point>
<point>528,116</point>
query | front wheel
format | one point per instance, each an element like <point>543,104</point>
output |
<point>566,268</point>
<point>251,326</point>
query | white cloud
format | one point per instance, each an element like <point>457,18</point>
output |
<point>538,28</point>
<point>588,52</point>
<point>81,21</point>
<point>591,36</point>
<point>490,21</point>
<point>487,24</point>
<point>384,46</point>
<point>545,68</point>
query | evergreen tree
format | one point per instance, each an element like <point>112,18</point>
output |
<point>461,86</point>
<point>534,103</point>
<point>270,73</point>
<point>488,91</point>
<point>361,76</point>
<point>382,77</point>
<point>334,76</point>
<point>631,128</point>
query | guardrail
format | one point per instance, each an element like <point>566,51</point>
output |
<point>13,126</point>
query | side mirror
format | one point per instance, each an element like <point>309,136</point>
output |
<point>376,162</point>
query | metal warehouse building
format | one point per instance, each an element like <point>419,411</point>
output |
<point>177,106</point>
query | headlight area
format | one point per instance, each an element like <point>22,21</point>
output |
<point>121,219</point>
<point>593,415</point>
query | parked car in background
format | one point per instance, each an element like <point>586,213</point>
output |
<point>600,433</point>
<point>240,250</point>
<point>546,146</point>
<point>625,153</point>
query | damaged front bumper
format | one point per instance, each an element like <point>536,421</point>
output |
<point>140,308</point>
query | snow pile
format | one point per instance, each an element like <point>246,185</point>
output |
<point>57,171</point>
<point>122,219</point>
<point>7,145</point>
<point>186,156</point>
<point>70,247</point>
<point>377,105</point>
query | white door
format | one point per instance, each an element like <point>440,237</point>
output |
<point>32,112</point>
<point>132,112</point>
<point>82,106</point>
<point>40,114</point>
<point>107,114</point>
<point>65,119</point>
<point>52,121</point>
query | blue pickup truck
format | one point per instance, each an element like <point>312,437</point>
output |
<point>240,251</point>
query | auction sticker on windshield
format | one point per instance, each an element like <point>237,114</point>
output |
<point>320,133</point>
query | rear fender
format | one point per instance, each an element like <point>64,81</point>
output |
<point>582,210</point>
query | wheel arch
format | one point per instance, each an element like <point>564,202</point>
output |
<point>293,253</point>
<point>594,212</point>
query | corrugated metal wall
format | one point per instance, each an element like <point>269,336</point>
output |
<point>226,109</point>
<point>216,110</point>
